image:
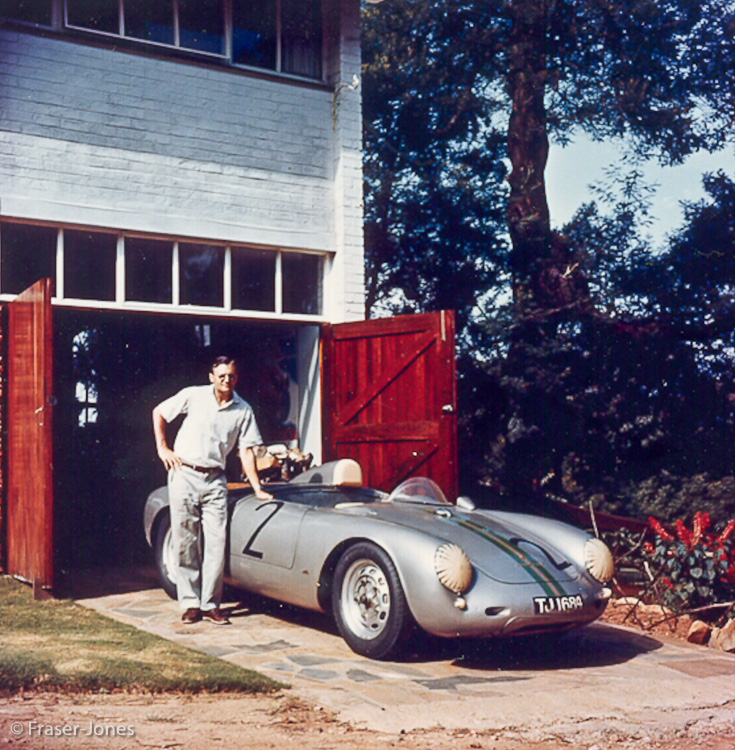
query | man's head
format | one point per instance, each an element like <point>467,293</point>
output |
<point>223,376</point>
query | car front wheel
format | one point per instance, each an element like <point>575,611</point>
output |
<point>164,551</point>
<point>368,602</point>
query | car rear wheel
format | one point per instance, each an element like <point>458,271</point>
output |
<point>164,551</point>
<point>368,602</point>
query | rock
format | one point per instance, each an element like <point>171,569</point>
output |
<point>724,638</point>
<point>699,632</point>
<point>625,601</point>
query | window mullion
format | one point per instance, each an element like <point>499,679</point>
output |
<point>279,38</point>
<point>177,26</point>
<point>229,45</point>
<point>279,283</point>
<point>59,286</point>
<point>175,290</point>
<point>120,270</point>
<point>227,289</point>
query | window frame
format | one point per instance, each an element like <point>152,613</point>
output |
<point>62,299</point>
<point>60,22</point>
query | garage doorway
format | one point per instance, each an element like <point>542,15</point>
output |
<point>111,369</point>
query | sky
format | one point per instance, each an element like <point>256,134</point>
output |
<point>572,169</point>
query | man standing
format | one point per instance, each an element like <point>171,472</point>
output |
<point>216,420</point>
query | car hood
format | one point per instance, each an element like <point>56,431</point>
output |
<point>501,546</point>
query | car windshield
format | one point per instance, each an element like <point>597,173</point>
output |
<point>418,490</point>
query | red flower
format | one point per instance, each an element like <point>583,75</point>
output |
<point>725,535</point>
<point>660,530</point>
<point>702,522</point>
<point>683,533</point>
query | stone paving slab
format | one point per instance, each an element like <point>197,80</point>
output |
<point>595,674</point>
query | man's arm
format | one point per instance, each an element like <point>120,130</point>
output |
<point>169,458</point>
<point>247,458</point>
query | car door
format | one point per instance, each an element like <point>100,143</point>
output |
<point>263,542</point>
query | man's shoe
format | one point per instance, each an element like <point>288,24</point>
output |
<point>192,615</point>
<point>216,616</point>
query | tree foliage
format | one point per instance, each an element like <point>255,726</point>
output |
<point>603,368</point>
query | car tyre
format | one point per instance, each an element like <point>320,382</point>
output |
<point>368,602</point>
<point>164,552</point>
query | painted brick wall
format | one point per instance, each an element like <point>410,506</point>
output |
<point>95,136</point>
<point>346,275</point>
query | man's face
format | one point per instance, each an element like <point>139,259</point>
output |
<point>224,378</point>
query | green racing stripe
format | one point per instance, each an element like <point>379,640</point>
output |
<point>535,569</point>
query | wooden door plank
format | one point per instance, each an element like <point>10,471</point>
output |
<point>381,432</point>
<point>389,397</point>
<point>30,435</point>
<point>374,387</point>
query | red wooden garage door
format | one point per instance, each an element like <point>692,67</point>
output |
<point>389,398</point>
<point>30,430</point>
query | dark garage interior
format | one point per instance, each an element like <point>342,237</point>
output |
<point>111,369</point>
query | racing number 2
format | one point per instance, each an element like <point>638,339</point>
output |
<point>248,550</point>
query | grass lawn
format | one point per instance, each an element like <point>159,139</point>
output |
<point>58,645</point>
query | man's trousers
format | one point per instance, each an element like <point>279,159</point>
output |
<point>198,504</point>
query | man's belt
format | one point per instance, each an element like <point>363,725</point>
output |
<point>202,469</point>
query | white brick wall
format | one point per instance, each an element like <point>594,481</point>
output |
<point>94,136</point>
<point>346,274</point>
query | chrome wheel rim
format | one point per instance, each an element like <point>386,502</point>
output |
<point>365,599</point>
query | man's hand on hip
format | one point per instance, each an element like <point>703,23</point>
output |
<point>169,458</point>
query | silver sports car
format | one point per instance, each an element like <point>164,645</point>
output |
<point>382,564</point>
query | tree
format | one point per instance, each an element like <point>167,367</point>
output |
<point>655,73</point>
<point>443,80</point>
<point>434,168</point>
<point>577,356</point>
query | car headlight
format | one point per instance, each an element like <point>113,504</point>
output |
<point>453,568</point>
<point>599,560</point>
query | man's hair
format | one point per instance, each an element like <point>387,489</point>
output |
<point>223,360</point>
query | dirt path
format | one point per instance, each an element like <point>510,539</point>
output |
<point>40,721</point>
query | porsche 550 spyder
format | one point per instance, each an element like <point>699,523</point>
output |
<point>384,563</point>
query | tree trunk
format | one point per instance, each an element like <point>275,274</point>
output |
<point>528,148</point>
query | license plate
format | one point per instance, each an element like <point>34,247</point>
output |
<point>548,605</point>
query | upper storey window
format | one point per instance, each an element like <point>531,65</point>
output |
<point>280,35</point>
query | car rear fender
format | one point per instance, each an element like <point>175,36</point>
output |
<point>156,503</point>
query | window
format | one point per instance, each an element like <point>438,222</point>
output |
<point>148,270</point>
<point>253,279</point>
<point>37,12</point>
<point>85,390</point>
<point>201,274</point>
<point>254,38</point>
<point>302,284</point>
<point>302,24</point>
<point>27,254</point>
<point>151,22</point>
<point>280,35</point>
<point>96,15</point>
<point>201,25</point>
<point>89,265</point>
<point>109,269</point>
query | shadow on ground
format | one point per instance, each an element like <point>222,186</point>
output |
<point>597,645</point>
